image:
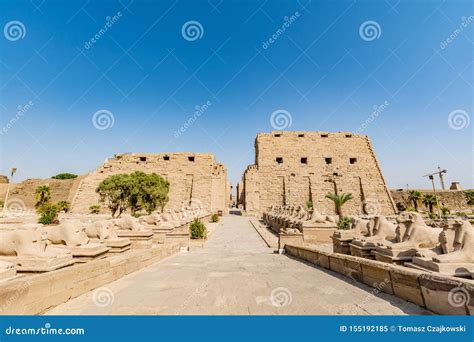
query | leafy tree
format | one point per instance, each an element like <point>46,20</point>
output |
<point>149,192</point>
<point>429,200</point>
<point>49,213</point>
<point>339,201</point>
<point>415,197</point>
<point>64,175</point>
<point>136,191</point>
<point>115,192</point>
<point>42,195</point>
<point>63,206</point>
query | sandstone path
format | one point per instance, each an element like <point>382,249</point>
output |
<point>235,274</point>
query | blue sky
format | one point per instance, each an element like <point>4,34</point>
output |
<point>414,62</point>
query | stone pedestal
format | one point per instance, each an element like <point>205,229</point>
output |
<point>88,252</point>
<point>38,264</point>
<point>362,251</point>
<point>293,239</point>
<point>141,239</point>
<point>182,239</point>
<point>318,233</point>
<point>463,270</point>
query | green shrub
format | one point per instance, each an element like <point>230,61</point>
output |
<point>445,211</point>
<point>460,214</point>
<point>469,196</point>
<point>94,209</point>
<point>432,216</point>
<point>63,206</point>
<point>64,175</point>
<point>344,223</point>
<point>215,218</point>
<point>410,209</point>
<point>49,213</point>
<point>198,230</point>
<point>309,204</point>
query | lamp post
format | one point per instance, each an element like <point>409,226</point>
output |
<point>8,191</point>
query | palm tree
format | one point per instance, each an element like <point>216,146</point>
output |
<point>339,201</point>
<point>430,201</point>
<point>42,195</point>
<point>415,197</point>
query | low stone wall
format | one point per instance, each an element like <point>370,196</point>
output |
<point>440,294</point>
<point>35,294</point>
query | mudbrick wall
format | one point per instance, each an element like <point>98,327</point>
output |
<point>293,168</point>
<point>192,177</point>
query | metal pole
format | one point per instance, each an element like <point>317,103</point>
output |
<point>441,179</point>
<point>434,191</point>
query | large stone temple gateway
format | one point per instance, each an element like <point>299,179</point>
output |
<point>293,168</point>
<point>193,177</point>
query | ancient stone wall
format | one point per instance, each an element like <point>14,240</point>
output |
<point>192,177</point>
<point>455,200</point>
<point>296,167</point>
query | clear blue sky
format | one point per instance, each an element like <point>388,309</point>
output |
<point>325,71</point>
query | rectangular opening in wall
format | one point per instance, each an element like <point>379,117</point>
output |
<point>348,135</point>
<point>324,135</point>
<point>352,160</point>
<point>166,157</point>
<point>328,160</point>
<point>300,135</point>
<point>279,160</point>
<point>304,160</point>
<point>143,159</point>
<point>191,159</point>
<point>277,135</point>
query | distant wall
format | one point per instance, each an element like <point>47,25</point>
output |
<point>61,190</point>
<point>192,176</point>
<point>452,199</point>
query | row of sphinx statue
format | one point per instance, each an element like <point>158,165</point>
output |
<point>38,248</point>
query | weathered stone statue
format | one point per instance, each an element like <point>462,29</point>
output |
<point>382,231</point>
<point>28,249</point>
<point>103,231</point>
<point>128,227</point>
<point>71,235</point>
<point>417,235</point>
<point>455,254</point>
